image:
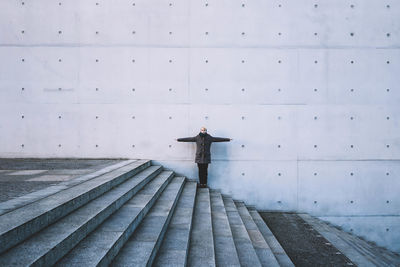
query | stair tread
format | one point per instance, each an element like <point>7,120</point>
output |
<point>56,240</point>
<point>29,198</point>
<point>376,251</point>
<point>147,237</point>
<point>174,247</point>
<point>347,249</point>
<point>19,224</point>
<point>244,247</point>
<point>362,246</point>
<point>280,254</point>
<point>225,250</point>
<point>201,247</point>
<point>264,252</point>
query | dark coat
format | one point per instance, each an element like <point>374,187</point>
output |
<point>203,154</point>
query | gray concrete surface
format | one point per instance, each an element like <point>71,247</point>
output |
<point>225,249</point>
<point>264,252</point>
<point>301,87</point>
<point>175,246</point>
<point>244,247</point>
<point>49,245</point>
<point>19,177</point>
<point>201,246</point>
<point>146,240</point>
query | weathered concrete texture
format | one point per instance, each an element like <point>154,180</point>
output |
<point>225,250</point>
<point>49,245</point>
<point>201,248</point>
<point>262,248</point>
<point>175,246</point>
<point>247,254</point>
<point>356,249</point>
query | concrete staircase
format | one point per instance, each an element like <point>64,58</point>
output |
<point>138,215</point>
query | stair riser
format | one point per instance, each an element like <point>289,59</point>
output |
<point>71,241</point>
<point>113,252</point>
<point>22,232</point>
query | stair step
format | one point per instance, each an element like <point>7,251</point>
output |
<point>225,250</point>
<point>174,248</point>
<point>201,247</point>
<point>26,199</point>
<point>19,224</point>
<point>147,238</point>
<point>371,253</point>
<point>103,244</point>
<point>280,254</point>
<point>346,248</point>
<point>376,252</point>
<point>52,243</point>
<point>376,259</point>
<point>264,252</point>
<point>244,247</point>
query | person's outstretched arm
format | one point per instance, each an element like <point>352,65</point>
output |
<point>221,139</point>
<point>186,139</point>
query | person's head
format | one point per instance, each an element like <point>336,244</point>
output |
<point>203,130</point>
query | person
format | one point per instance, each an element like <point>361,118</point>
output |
<point>203,155</point>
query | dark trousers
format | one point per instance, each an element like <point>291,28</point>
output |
<point>203,172</point>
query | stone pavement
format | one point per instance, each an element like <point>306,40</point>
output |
<point>26,180</point>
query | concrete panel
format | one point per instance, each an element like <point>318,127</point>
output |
<point>347,188</point>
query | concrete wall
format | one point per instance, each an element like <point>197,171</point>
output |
<point>308,90</point>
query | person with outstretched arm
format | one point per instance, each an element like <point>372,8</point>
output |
<point>203,155</point>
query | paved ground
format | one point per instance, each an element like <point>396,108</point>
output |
<point>304,246</point>
<point>22,176</point>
